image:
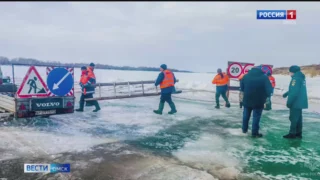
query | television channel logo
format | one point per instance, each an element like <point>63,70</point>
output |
<point>46,168</point>
<point>277,14</point>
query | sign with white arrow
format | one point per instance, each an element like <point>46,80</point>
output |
<point>60,81</point>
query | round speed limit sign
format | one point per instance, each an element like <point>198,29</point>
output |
<point>266,69</point>
<point>247,68</point>
<point>235,70</point>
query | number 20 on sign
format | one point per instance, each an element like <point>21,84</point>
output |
<point>235,70</point>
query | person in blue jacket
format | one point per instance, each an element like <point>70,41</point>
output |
<point>256,88</point>
<point>166,80</point>
<point>296,102</point>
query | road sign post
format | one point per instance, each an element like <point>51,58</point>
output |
<point>32,85</point>
<point>60,81</point>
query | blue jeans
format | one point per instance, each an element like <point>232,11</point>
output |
<point>255,120</point>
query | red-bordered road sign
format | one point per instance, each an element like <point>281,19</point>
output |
<point>32,85</point>
<point>235,70</point>
<point>266,69</point>
<point>247,68</point>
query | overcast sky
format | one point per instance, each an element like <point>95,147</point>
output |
<point>197,36</point>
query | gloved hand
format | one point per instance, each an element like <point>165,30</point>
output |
<point>285,95</point>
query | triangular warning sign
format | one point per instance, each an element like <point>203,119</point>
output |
<point>32,85</point>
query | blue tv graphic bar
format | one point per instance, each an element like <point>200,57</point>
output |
<point>46,168</point>
<point>59,168</point>
<point>271,14</point>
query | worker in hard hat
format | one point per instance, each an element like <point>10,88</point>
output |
<point>166,80</point>
<point>221,81</point>
<point>268,103</point>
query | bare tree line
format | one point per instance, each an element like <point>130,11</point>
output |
<point>30,61</point>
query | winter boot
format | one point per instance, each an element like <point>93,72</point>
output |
<point>160,109</point>
<point>96,104</point>
<point>289,136</point>
<point>299,135</point>
<point>173,108</point>
<point>240,104</point>
<point>80,109</point>
<point>228,105</point>
<point>217,106</point>
<point>257,135</point>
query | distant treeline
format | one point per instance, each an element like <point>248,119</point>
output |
<point>30,61</point>
<point>312,70</point>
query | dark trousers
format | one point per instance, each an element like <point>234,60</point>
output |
<point>221,91</point>
<point>87,96</point>
<point>255,120</point>
<point>166,97</point>
<point>296,121</point>
<point>223,94</point>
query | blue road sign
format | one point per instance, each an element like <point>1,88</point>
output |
<point>266,69</point>
<point>60,81</point>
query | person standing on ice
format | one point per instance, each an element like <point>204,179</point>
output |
<point>297,100</point>
<point>256,89</point>
<point>241,93</point>
<point>87,89</point>
<point>91,75</point>
<point>221,81</point>
<point>268,105</point>
<point>166,80</point>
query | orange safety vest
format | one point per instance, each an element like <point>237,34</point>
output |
<point>272,81</point>
<point>91,73</point>
<point>219,81</point>
<point>168,80</point>
<point>84,79</point>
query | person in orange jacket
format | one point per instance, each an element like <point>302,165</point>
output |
<point>273,83</point>
<point>87,89</point>
<point>221,81</point>
<point>166,79</point>
<point>91,75</point>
